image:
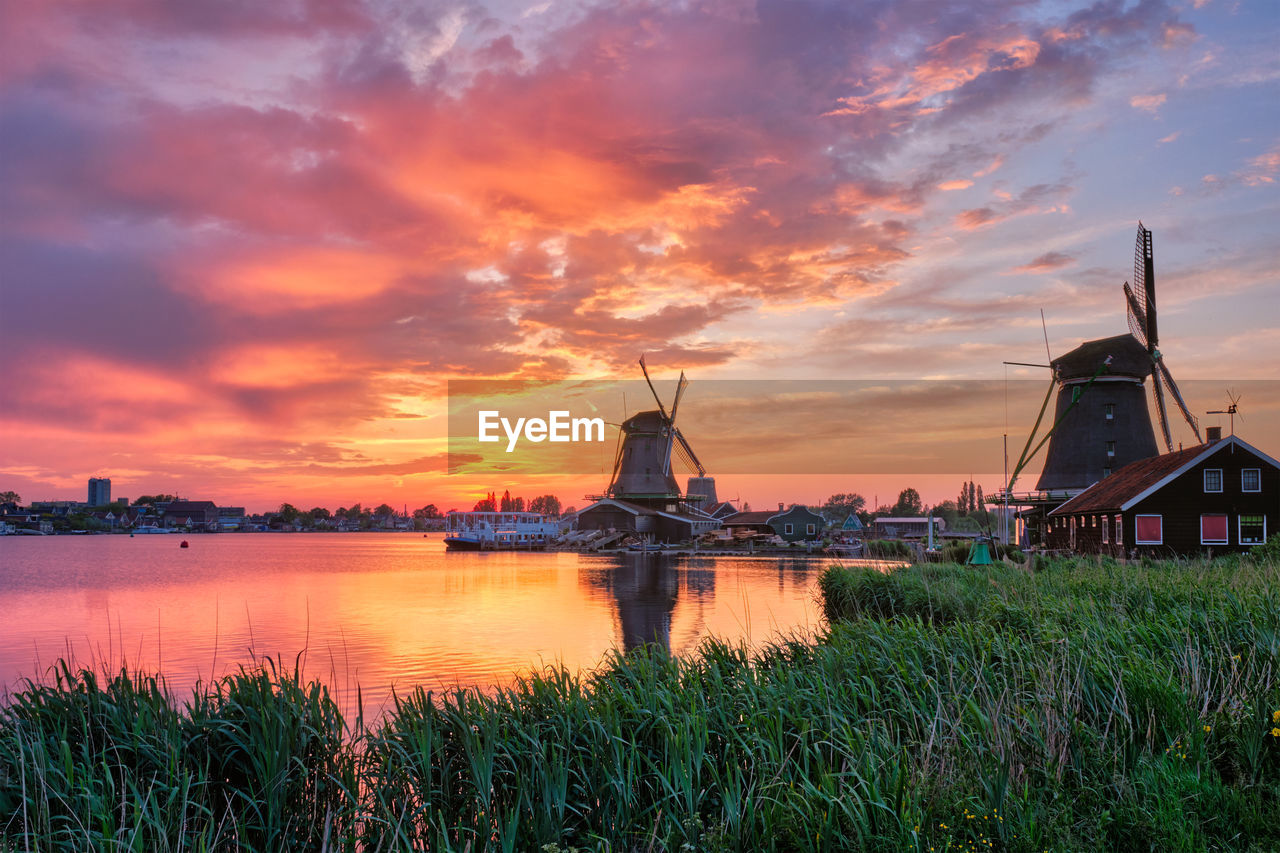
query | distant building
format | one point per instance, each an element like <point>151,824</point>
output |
<point>193,514</point>
<point>908,527</point>
<point>704,486</point>
<point>1221,496</point>
<point>798,524</point>
<point>724,509</point>
<point>662,526</point>
<point>99,491</point>
<point>750,521</point>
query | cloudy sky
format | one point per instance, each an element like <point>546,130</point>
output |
<point>244,245</point>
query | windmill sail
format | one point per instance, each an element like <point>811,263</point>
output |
<point>1166,379</point>
<point>1157,392</point>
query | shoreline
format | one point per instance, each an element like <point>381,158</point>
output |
<point>943,707</point>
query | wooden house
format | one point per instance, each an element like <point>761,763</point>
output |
<point>1210,498</point>
<point>192,514</point>
<point>798,524</point>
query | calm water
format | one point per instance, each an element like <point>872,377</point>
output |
<point>381,610</point>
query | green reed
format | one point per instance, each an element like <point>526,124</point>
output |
<point>1081,706</point>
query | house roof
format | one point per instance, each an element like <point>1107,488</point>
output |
<point>722,509</point>
<point>798,509</point>
<point>625,506</point>
<point>1137,480</point>
<point>190,506</point>
<point>751,517</point>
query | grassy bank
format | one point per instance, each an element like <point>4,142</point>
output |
<point>1084,706</point>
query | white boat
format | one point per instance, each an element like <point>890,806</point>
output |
<point>498,531</point>
<point>151,529</point>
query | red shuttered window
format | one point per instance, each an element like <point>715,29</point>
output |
<point>1213,530</point>
<point>1149,530</point>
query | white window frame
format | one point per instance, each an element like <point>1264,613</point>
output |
<point>1221,481</point>
<point>810,529</point>
<point>1071,535</point>
<point>788,529</point>
<point>1106,530</point>
<point>1110,411</point>
<point>1257,472</point>
<point>1204,541</point>
<point>1136,540</point>
<point>1120,530</point>
<point>1240,525</point>
<point>1111,449</point>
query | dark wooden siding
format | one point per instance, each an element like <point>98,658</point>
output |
<point>1180,504</point>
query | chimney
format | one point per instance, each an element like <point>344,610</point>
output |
<point>1212,435</point>
<point>780,507</point>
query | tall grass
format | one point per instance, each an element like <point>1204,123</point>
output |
<point>255,761</point>
<point>1086,706</point>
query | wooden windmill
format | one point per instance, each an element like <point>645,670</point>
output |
<point>1101,420</point>
<point>642,470</point>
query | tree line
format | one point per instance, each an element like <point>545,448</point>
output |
<point>548,505</point>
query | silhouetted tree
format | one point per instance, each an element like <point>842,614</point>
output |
<point>908,504</point>
<point>548,505</point>
<point>841,506</point>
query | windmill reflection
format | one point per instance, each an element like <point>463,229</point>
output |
<point>645,590</point>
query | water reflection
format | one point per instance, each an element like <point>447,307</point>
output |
<point>645,589</point>
<point>373,610</point>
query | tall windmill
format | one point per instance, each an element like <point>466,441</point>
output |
<point>1141,302</point>
<point>1101,420</point>
<point>642,470</point>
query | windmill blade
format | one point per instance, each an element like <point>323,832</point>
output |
<point>1168,382</point>
<point>1137,315</point>
<point>654,391</point>
<point>617,463</point>
<point>666,455</point>
<point>687,450</point>
<point>1157,392</point>
<point>680,386</point>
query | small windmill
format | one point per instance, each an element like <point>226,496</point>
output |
<point>1141,302</point>
<point>642,470</point>
<point>1231,410</point>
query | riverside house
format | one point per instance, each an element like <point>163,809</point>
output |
<point>1211,498</point>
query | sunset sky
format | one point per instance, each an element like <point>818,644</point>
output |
<point>244,245</point>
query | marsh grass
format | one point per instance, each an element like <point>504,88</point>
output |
<point>1086,706</point>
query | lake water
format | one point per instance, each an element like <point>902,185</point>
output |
<point>377,609</point>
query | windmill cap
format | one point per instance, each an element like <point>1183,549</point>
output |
<point>651,421</point>
<point>1128,358</point>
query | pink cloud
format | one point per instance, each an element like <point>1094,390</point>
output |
<point>1048,262</point>
<point>1148,103</point>
<point>537,197</point>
